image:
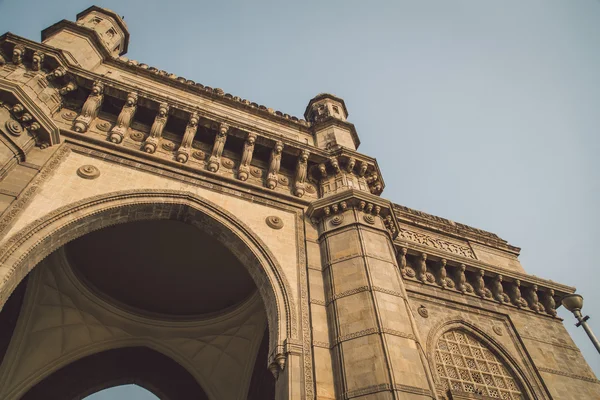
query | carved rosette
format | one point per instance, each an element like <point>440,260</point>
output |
<point>274,222</point>
<point>14,127</point>
<point>88,172</point>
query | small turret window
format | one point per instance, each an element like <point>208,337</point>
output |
<point>336,109</point>
<point>96,20</point>
<point>111,33</point>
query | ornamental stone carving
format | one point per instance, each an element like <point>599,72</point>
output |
<point>183,153</point>
<point>18,53</point>
<point>215,157</point>
<point>274,165</point>
<point>125,118</point>
<point>436,243</point>
<point>90,108</point>
<point>88,172</point>
<point>299,182</point>
<point>244,168</point>
<point>157,128</point>
<point>37,61</point>
<point>274,222</point>
<point>422,268</point>
<point>14,127</point>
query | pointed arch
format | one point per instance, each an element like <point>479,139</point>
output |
<point>25,249</point>
<point>475,337</point>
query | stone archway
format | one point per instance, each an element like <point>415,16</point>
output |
<point>23,251</point>
<point>496,350</point>
<point>138,365</point>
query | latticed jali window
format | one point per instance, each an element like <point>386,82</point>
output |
<point>464,364</point>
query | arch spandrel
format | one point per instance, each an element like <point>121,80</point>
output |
<point>25,249</point>
<point>59,186</point>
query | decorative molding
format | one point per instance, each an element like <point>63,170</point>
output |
<point>324,345</point>
<point>387,291</point>
<point>498,330</point>
<point>355,335</point>
<point>367,390</point>
<point>25,197</point>
<point>437,243</point>
<point>369,219</point>
<point>394,332</point>
<point>423,311</point>
<point>318,302</point>
<point>412,389</point>
<point>568,375</point>
<point>337,296</point>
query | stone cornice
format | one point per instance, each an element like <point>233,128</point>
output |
<point>455,229</point>
<point>47,125</point>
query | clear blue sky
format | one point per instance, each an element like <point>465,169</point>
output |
<point>486,113</point>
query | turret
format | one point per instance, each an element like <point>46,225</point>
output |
<point>328,115</point>
<point>98,34</point>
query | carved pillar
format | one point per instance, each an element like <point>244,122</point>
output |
<point>90,108</point>
<point>247,157</point>
<point>274,165</point>
<point>299,181</point>
<point>157,128</point>
<point>119,131</point>
<point>374,342</point>
<point>215,158</point>
<point>183,153</point>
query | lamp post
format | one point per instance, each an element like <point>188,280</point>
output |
<point>574,303</point>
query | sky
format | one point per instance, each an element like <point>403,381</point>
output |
<point>482,112</point>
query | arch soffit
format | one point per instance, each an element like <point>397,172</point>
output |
<point>26,248</point>
<point>461,324</point>
<point>115,344</point>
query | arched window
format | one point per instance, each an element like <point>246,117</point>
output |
<point>464,364</point>
<point>131,392</point>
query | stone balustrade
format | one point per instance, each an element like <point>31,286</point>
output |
<point>476,279</point>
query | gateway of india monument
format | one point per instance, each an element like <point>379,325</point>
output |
<point>159,232</point>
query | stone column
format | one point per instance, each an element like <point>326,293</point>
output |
<point>374,343</point>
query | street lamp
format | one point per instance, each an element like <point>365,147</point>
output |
<point>574,303</point>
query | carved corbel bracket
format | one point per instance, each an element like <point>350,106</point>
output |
<point>370,206</point>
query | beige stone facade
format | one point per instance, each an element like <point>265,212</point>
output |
<point>160,232</point>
